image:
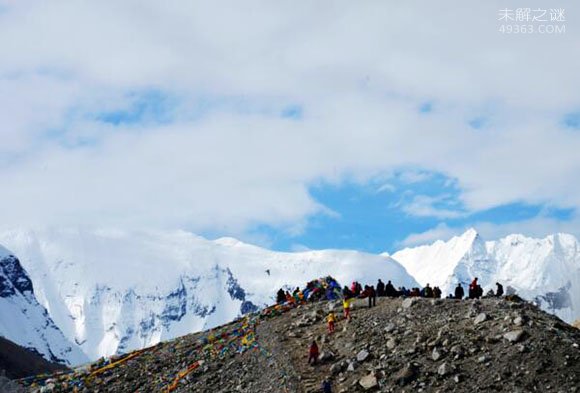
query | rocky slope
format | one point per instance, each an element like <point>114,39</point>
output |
<point>399,345</point>
<point>19,362</point>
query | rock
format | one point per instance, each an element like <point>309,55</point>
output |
<point>514,336</point>
<point>362,356</point>
<point>518,321</point>
<point>390,327</point>
<point>444,369</point>
<point>337,368</point>
<point>482,317</point>
<point>435,355</point>
<point>457,379</point>
<point>368,382</point>
<point>406,374</point>
<point>407,303</point>
<point>391,344</point>
<point>325,356</point>
<point>352,366</point>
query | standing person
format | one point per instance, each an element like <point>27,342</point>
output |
<point>280,296</point>
<point>473,289</point>
<point>346,307</point>
<point>428,291</point>
<point>372,296</point>
<point>436,292</point>
<point>499,292</point>
<point>326,386</point>
<point>313,353</point>
<point>459,293</point>
<point>380,288</point>
<point>390,290</point>
<point>347,293</point>
<point>330,319</point>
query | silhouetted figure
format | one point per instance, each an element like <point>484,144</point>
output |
<point>280,296</point>
<point>380,288</point>
<point>427,291</point>
<point>372,296</point>
<point>459,293</point>
<point>347,293</point>
<point>390,290</point>
<point>499,292</point>
<point>437,293</point>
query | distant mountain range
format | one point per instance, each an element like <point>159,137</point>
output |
<point>546,271</point>
<point>74,295</point>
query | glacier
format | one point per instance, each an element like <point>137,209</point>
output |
<point>111,291</point>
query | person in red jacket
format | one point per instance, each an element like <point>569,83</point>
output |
<point>313,353</point>
<point>473,289</point>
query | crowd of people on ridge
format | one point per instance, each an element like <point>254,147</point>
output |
<point>327,288</point>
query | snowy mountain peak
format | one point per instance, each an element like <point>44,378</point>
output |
<point>113,291</point>
<point>24,320</point>
<point>545,270</point>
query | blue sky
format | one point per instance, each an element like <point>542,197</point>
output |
<point>374,217</point>
<point>348,129</point>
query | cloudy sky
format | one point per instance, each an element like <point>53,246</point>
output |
<point>369,125</point>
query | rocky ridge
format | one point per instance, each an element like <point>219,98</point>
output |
<point>413,344</point>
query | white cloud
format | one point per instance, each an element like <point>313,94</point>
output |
<point>440,232</point>
<point>425,206</point>
<point>360,71</point>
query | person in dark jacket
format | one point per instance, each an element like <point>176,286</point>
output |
<point>326,386</point>
<point>499,292</point>
<point>459,293</point>
<point>380,288</point>
<point>390,290</point>
<point>437,293</point>
<point>428,291</point>
<point>280,296</point>
<point>347,293</point>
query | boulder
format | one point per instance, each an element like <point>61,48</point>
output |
<point>514,336</point>
<point>481,317</point>
<point>407,303</point>
<point>369,382</point>
<point>326,356</point>
<point>362,356</point>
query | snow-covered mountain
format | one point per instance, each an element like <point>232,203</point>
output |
<point>546,271</point>
<point>24,321</point>
<point>112,291</point>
